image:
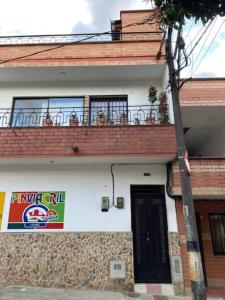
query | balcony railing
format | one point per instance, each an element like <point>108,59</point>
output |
<point>78,38</point>
<point>85,116</point>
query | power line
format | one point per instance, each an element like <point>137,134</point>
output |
<point>189,78</point>
<point>195,37</point>
<point>201,36</point>
<point>144,21</point>
<point>185,55</point>
<point>209,47</point>
<point>186,34</point>
<point>196,59</point>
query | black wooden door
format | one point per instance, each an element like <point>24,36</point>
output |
<point>149,226</point>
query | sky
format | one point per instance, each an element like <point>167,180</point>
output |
<point>30,17</point>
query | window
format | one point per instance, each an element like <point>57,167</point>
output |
<point>217,225</point>
<point>112,107</point>
<point>31,111</point>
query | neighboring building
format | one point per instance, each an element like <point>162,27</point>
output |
<point>83,162</point>
<point>203,110</point>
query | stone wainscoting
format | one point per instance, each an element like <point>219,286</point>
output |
<point>79,260</point>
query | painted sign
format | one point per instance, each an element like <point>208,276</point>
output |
<point>36,210</point>
<point>2,201</point>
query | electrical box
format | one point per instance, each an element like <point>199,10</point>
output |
<point>105,204</point>
<point>117,269</point>
<point>120,202</point>
<point>177,271</point>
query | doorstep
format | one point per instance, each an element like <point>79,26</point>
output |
<point>154,289</point>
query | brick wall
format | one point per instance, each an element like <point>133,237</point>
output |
<point>88,54</point>
<point>133,16</point>
<point>207,178</point>
<point>214,264</point>
<point>92,141</point>
<point>203,92</point>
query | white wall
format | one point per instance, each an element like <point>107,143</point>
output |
<point>84,186</point>
<point>137,91</point>
<point>168,93</point>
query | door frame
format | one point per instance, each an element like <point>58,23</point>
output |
<point>151,186</point>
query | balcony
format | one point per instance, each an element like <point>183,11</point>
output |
<point>81,57</point>
<point>133,131</point>
<point>96,115</point>
<point>67,39</point>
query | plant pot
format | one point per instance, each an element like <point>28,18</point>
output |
<point>73,122</point>
<point>124,121</point>
<point>47,123</point>
<point>150,121</point>
<point>100,121</point>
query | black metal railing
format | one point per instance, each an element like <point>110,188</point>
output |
<point>85,116</point>
<point>74,38</point>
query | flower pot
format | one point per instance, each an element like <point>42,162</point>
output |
<point>100,121</point>
<point>47,122</point>
<point>150,121</point>
<point>124,121</point>
<point>73,122</point>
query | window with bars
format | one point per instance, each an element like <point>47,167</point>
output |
<point>217,225</point>
<point>110,108</point>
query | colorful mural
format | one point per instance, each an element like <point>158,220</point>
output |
<point>2,201</point>
<point>36,210</point>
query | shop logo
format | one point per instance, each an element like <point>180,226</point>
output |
<point>38,216</point>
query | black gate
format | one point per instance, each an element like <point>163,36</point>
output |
<point>149,226</point>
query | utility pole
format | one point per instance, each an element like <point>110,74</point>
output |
<point>193,249</point>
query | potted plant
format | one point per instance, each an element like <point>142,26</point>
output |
<point>101,119</point>
<point>152,98</point>
<point>137,121</point>
<point>47,121</point>
<point>164,117</point>
<point>123,119</point>
<point>73,122</point>
<point>150,120</point>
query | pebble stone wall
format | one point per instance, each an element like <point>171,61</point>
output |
<point>79,260</point>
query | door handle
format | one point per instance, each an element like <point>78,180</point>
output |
<point>147,236</point>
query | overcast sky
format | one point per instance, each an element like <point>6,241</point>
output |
<point>26,17</point>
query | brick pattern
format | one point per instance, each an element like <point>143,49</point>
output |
<point>91,141</point>
<point>130,17</point>
<point>215,275</point>
<point>86,54</point>
<point>207,177</point>
<point>202,92</point>
<point>131,50</point>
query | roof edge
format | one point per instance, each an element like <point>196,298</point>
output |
<point>204,78</point>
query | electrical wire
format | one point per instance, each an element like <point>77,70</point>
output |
<point>144,21</point>
<point>200,38</point>
<point>186,34</point>
<point>189,78</point>
<point>207,50</point>
<point>195,37</point>
<point>202,47</point>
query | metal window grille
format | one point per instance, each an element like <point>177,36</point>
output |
<point>110,107</point>
<point>217,225</point>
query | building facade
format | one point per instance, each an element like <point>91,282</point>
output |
<point>82,152</point>
<point>85,199</point>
